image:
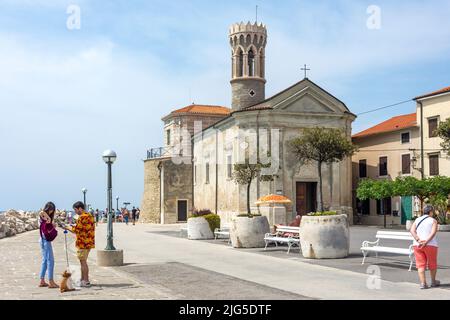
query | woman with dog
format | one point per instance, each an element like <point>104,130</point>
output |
<point>48,261</point>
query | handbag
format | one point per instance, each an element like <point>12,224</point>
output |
<point>48,231</point>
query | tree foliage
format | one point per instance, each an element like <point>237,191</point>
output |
<point>322,145</point>
<point>245,173</point>
<point>443,132</point>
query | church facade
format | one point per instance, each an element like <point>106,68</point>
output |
<point>264,126</point>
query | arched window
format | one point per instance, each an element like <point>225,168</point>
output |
<point>240,63</point>
<point>251,63</point>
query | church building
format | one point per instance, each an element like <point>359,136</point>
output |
<point>213,140</point>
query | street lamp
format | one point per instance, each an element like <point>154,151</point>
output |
<point>109,157</point>
<point>117,203</point>
<point>84,190</point>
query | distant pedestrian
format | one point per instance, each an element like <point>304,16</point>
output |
<point>138,213</point>
<point>48,261</point>
<point>126,215</point>
<point>70,217</point>
<point>424,232</point>
<point>97,217</point>
<point>85,232</point>
<point>133,215</point>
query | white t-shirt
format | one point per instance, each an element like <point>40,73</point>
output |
<point>425,229</point>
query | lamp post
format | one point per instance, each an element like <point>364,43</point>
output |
<point>84,190</point>
<point>109,257</point>
<point>109,157</point>
<point>117,203</point>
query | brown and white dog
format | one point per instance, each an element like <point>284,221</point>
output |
<point>66,282</point>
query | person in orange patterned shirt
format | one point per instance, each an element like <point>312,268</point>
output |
<point>85,232</point>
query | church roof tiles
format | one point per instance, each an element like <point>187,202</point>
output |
<point>393,124</point>
<point>204,109</point>
<point>435,93</point>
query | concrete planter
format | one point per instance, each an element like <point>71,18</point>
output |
<point>325,237</point>
<point>198,229</point>
<point>248,232</point>
<point>444,227</point>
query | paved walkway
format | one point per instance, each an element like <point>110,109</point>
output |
<point>160,265</point>
<point>20,265</point>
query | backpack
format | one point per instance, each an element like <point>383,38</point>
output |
<point>48,231</point>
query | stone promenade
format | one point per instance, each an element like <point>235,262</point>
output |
<point>159,264</point>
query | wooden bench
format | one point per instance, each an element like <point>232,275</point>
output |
<point>223,232</point>
<point>292,239</point>
<point>375,246</point>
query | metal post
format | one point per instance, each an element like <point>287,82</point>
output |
<point>84,198</point>
<point>109,244</point>
<point>422,155</point>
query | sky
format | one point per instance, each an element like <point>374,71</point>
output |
<point>67,94</point>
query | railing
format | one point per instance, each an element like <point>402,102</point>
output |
<point>156,152</point>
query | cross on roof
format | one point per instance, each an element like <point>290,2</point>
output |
<point>306,70</point>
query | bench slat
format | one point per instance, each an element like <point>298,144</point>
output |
<point>410,238</point>
<point>387,250</point>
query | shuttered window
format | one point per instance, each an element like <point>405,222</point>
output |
<point>405,137</point>
<point>434,164</point>
<point>432,127</point>
<point>406,164</point>
<point>362,168</point>
<point>383,166</point>
<point>229,167</point>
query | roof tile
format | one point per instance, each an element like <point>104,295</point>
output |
<point>393,124</point>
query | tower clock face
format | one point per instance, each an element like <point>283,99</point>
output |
<point>251,93</point>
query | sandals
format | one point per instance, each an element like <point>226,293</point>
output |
<point>43,285</point>
<point>423,286</point>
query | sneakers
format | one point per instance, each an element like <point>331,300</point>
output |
<point>436,284</point>
<point>85,284</point>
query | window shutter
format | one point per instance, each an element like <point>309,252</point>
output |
<point>432,127</point>
<point>406,164</point>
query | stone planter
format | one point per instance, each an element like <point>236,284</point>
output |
<point>444,227</point>
<point>198,229</point>
<point>248,232</point>
<point>409,224</point>
<point>325,237</point>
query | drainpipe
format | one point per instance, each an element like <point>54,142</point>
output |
<point>422,156</point>
<point>217,173</point>
<point>192,173</point>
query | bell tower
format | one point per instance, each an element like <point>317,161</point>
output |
<point>248,43</point>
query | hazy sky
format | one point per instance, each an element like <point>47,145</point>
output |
<point>67,95</point>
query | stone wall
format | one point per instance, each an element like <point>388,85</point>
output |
<point>150,206</point>
<point>240,92</point>
<point>177,186</point>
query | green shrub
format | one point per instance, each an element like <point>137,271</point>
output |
<point>213,221</point>
<point>325,213</point>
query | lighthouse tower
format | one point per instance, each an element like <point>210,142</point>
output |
<point>248,43</point>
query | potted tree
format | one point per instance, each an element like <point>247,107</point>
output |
<point>324,234</point>
<point>201,224</point>
<point>248,230</point>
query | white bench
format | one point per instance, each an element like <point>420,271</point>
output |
<point>223,231</point>
<point>279,237</point>
<point>368,246</point>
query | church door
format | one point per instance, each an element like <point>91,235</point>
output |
<point>306,197</point>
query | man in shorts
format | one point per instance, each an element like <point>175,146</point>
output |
<point>85,232</point>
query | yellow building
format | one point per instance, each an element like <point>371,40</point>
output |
<point>393,148</point>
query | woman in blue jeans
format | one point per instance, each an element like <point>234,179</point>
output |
<point>48,261</point>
